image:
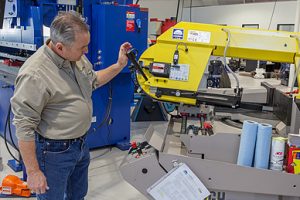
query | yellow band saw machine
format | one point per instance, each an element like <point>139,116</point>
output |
<point>172,71</point>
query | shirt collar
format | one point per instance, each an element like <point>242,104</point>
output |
<point>59,61</point>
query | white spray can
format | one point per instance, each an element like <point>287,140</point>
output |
<point>277,153</point>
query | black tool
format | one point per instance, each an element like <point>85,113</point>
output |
<point>132,57</point>
<point>176,57</point>
<point>176,53</point>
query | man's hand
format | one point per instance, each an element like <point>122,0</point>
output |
<point>37,182</point>
<point>122,60</point>
<point>105,75</point>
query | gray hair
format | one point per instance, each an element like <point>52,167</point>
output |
<point>65,26</point>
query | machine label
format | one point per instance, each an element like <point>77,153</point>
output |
<point>178,34</point>
<point>198,36</point>
<point>158,68</point>
<point>180,72</point>
<point>6,190</point>
<point>130,15</point>
<point>129,25</point>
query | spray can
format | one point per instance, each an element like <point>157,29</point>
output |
<point>277,153</point>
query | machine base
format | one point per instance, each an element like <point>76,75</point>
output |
<point>14,165</point>
<point>123,145</point>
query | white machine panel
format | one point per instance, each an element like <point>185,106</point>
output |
<point>180,72</point>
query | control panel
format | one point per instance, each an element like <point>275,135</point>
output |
<point>180,72</point>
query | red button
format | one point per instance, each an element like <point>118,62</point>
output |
<point>133,145</point>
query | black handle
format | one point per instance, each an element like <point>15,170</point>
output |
<point>131,56</point>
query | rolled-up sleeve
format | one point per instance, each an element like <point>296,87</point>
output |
<point>93,77</point>
<point>29,99</point>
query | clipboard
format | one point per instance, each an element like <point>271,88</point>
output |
<point>179,184</point>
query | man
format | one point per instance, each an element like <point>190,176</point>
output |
<point>53,109</point>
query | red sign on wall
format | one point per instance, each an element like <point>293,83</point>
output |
<point>130,25</point>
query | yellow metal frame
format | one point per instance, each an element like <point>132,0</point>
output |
<point>255,44</point>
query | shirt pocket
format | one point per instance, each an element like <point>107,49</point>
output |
<point>87,85</point>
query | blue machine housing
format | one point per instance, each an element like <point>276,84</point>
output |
<point>110,26</point>
<point>109,29</point>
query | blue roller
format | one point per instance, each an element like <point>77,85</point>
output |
<point>263,146</point>
<point>247,144</point>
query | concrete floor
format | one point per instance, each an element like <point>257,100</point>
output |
<point>105,180</point>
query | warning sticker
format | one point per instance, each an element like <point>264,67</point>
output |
<point>158,68</point>
<point>129,25</point>
<point>198,36</point>
<point>130,15</point>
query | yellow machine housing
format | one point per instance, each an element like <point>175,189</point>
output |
<point>196,43</point>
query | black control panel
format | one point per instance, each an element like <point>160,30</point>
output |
<point>160,69</point>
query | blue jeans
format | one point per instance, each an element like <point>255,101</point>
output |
<point>65,165</point>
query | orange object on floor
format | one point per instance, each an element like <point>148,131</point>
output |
<point>13,185</point>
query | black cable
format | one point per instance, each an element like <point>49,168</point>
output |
<point>191,5</point>
<point>134,79</point>
<point>108,110</point>
<point>177,11</point>
<point>162,167</point>
<point>272,14</point>
<point>232,123</point>
<point>9,129</point>
<point>109,119</point>
<point>109,134</point>
<point>5,137</point>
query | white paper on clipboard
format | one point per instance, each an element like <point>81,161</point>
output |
<point>179,184</point>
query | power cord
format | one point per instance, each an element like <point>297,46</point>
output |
<point>7,125</point>
<point>176,53</point>
<point>109,119</point>
<point>108,110</point>
<point>191,5</point>
<point>177,10</point>
<point>9,128</point>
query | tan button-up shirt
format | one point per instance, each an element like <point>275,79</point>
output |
<point>53,97</point>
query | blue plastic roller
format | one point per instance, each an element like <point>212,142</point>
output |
<point>263,146</point>
<point>247,144</point>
